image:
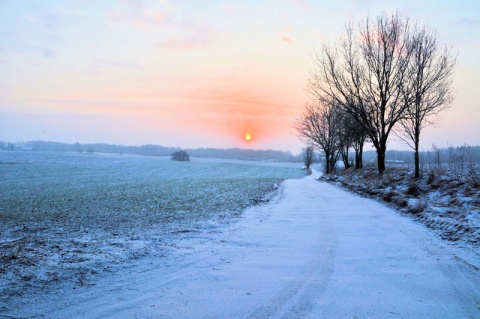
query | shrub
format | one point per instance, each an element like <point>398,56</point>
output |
<point>389,195</point>
<point>431,177</point>
<point>417,206</point>
<point>400,201</point>
<point>180,156</point>
<point>413,190</point>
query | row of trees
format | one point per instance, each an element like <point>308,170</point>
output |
<point>327,127</point>
<point>384,76</point>
<point>152,150</point>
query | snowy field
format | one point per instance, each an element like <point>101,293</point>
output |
<point>312,251</point>
<point>67,218</point>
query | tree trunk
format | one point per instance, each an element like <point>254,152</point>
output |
<point>360,156</point>
<point>417,164</point>
<point>327,163</point>
<point>332,162</point>
<point>417,157</point>
<point>345,158</point>
<point>381,157</point>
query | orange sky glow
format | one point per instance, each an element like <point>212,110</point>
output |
<point>196,73</point>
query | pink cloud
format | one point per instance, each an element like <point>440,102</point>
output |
<point>121,64</point>
<point>134,13</point>
<point>302,4</point>
<point>191,37</point>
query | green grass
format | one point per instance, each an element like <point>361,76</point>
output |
<point>110,191</point>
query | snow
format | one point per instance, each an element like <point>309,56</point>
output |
<point>313,251</point>
<point>66,219</point>
<point>444,203</point>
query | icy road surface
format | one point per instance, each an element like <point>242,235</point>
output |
<point>315,251</point>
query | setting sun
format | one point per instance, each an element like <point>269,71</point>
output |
<point>195,74</point>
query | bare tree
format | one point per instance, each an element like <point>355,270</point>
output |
<point>318,126</point>
<point>351,136</point>
<point>363,76</point>
<point>427,88</point>
<point>437,153</point>
<point>472,159</point>
<point>359,138</point>
<point>345,138</point>
<point>308,157</point>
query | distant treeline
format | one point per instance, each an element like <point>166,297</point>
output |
<point>153,150</point>
<point>243,154</point>
<point>434,156</point>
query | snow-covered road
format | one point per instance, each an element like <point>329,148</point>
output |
<point>315,251</point>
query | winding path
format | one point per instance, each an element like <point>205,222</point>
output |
<point>315,251</point>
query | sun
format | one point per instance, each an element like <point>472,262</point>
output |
<point>248,137</point>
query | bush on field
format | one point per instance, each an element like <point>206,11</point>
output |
<point>180,156</point>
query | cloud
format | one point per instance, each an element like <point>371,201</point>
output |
<point>240,9</point>
<point>30,18</point>
<point>190,34</point>
<point>470,23</point>
<point>47,53</point>
<point>121,64</point>
<point>239,102</point>
<point>192,39</point>
<point>302,4</point>
<point>138,14</point>
<point>240,97</point>
<point>42,51</point>
<point>74,12</point>
<point>52,22</point>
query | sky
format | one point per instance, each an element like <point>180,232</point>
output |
<point>198,73</point>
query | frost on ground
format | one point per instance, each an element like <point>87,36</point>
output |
<point>67,218</point>
<point>443,202</point>
<point>314,251</point>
